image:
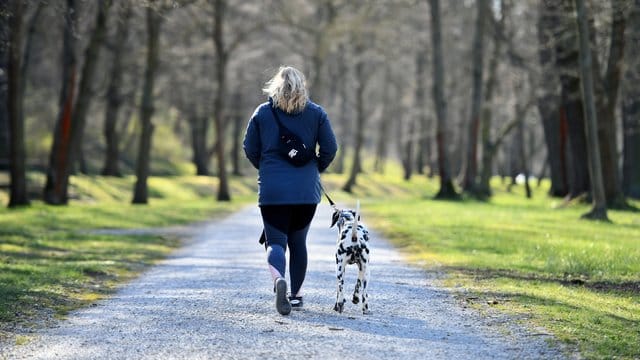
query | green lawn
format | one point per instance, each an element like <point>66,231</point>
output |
<point>534,257</point>
<point>50,263</point>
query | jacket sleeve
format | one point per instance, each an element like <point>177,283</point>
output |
<point>327,143</point>
<point>251,144</point>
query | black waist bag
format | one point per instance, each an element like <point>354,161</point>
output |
<point>290,146</point>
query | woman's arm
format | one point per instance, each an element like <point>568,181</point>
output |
<point>327,142</point>
<point>251,143</point>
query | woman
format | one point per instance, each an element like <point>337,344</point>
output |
<point>288,195</point>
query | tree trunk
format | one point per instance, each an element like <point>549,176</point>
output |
<point>85,91</point>
<point>554,126</point>
<point>406,149</point>
<point>199,144</point>
<point>477,58</point>
<point>218,105</point>
<point>631,108</point>
<point>524,163</point>
<point>422,140</point>
<point>488,147</point>
<point>571,110</point>
<point>154,19</point>
<point>383,129</point>
<point>18,191</point>
<point>345,124</point>
<point>56,187</point>
<point>599,210</point>
<point>4,63</point>
<point>446,190</point>
<point>114,96</point>
<point>359,128</point>
<point>606,92</point>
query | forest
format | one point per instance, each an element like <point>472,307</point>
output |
<point>462,90</point>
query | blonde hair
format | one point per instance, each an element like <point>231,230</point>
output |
<point>288,90</point>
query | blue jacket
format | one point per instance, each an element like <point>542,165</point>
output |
<point>279,181</point>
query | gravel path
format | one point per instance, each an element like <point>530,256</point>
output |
<point>212,299</point>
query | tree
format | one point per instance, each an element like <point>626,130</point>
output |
<point>222,58</point>
<point>606,89</point>
<point>446,190</point>
<point>85,88</point>
<point>599,209</point>
<point>114,96</point>
<point>477,58</point>
<point>358,134</point>
<point>631,108</point>
<point>554,126</point>
<point>4,115</point>
<point>488,148</point>
<point>154,21</point>
<point>57,182</point>
<point>422,141</point>
<point>17,155</point>
<point>571,110</point>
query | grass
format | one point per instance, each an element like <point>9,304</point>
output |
<point>578,279</point>
<point>50,262</point>
<point>533,257</point>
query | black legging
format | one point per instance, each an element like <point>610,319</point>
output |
<point>288,225</point>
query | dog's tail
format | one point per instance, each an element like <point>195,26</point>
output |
<point>354,230</point>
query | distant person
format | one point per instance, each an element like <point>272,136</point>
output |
<point>288,194</point>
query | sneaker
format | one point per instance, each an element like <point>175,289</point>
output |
<point>282,303</point>
<point>296,302</point>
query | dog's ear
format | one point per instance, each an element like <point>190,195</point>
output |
<point>334,218</point>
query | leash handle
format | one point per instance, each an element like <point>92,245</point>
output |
<point>333,205</point>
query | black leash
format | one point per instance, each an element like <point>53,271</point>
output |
<point>333,205</point>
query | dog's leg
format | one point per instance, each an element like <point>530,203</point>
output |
<point>341,264</point>
<point>364,272</point>
<point>356,292</point>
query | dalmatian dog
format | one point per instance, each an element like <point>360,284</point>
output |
<point>352,248</point>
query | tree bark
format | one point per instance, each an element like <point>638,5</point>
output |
<point>4,63</point>
<point>345,125</point>
<point>383,129</point>
<point>554,126</point>
<point>57,182</point>
<point>198,126</point>
<point>571,111</point>
<point>406,149</point>
<point>477,58</point>
<point>524,163</point>
<point>18,191</point>
<point>446,190</point>
<point>606,92</point>
<point>358,134</point>
<point>631,108</point>
<point>599,209</point>
<point>422,151</point>
<point>85,91</point>
<point>483,187</point>
<point>114,97</point>
<point>218,104</point>
<point>154,20</point>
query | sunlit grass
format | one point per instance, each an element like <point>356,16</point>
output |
<point>579,279</point>
<point>51,262</point>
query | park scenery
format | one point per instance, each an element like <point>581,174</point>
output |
<point>494,144</point>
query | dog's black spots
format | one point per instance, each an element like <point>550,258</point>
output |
<point>355,299</point>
